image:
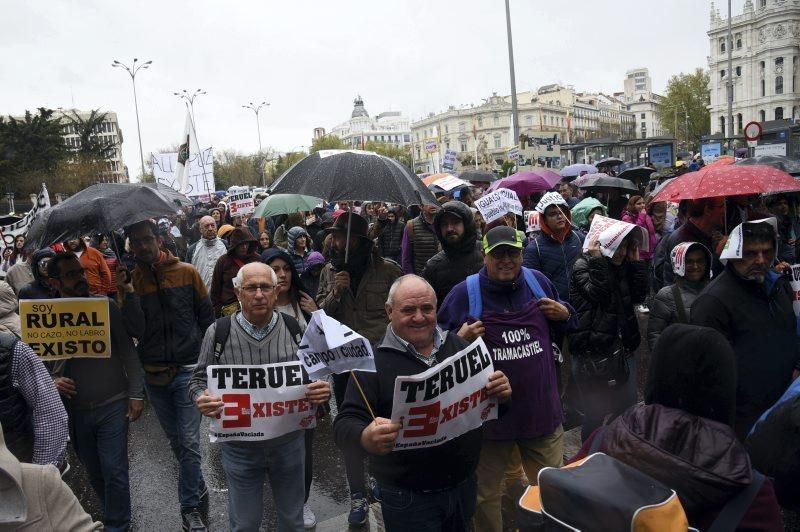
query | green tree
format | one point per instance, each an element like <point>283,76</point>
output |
<point>399,154</point>
<point>328,142</point>
<point>234,168</point>
<point>683,111</point>
<point>277,166</point>
<point>91,146</point>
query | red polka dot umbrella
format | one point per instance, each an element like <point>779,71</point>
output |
<point>728,180</point>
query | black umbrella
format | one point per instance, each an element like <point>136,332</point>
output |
<point>170,193</point>
<point>609,162</point>
<point>353,175</point>
<point>100,208</point>
<point>781,162</point>
<point>604,182</point>
<point>637,172</point>
<point>478,176</point>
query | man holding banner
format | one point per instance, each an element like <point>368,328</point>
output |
<point>425,463</point>
<point>518,312</point>
<point>249,381</point>
<point>102,396</point>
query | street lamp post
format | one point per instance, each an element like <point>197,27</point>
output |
<point>256,108</point>
<point>514,122</point>
<point>133,70</point>
<point>189,97</point>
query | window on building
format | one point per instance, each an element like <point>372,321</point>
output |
<point>739,123</point>
<point>463,145</point>
<point>418,154</point>
<point>794,73</point>
<point>446,128</point>
<point>779,113</point>
<point>447,145</point>
<point>480,121</point>
<point>496,120</point>
<point>497,141</point>
<point>763,88</point>
<point>722,44</point>
<point>762,4</point>
<point>644,134</point>
<point>722,74</point>
<point>738,41</point>
<point>642,116</point>
<point>778,65</point>
<point>738,71</point>
<point>778,84</point>
<point>762,116</point>
<point>406,137</point>
<point>462,127</point>
<point>644,125</point>
<point>722,125</point>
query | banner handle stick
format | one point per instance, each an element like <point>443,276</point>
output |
<point>361,391</point>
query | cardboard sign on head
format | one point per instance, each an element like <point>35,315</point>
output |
<point>610,233</point>
<point>734,246</point>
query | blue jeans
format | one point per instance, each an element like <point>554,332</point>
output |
<point>100,438</point>
<point>444,511</point>
<point>245,469</point>
<point>180,419</point>
<point>598,400</point>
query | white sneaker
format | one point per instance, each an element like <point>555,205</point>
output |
<point>309,519</point>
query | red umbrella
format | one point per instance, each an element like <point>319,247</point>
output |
<point>524,183</point>
<point>727,180</point>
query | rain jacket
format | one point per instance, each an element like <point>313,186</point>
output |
<point>291,237</point>
<point>580,212</point>
<point>454,263</point>
<point>311,282</point>
<point>554,257</point>
<point>389,236</point>
<point>603,296</point>
<point>228,266</point>
<point>759,322</point>
<point>39,288</point>
<point>362,311</point>
<point>98,275</point>
<point>699,458</point>
<point>170,314</point>
<point>644,221</point>
<point>9,319</point>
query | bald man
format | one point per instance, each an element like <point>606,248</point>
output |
<point>204,253</point>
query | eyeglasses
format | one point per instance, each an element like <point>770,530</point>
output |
<point>253,289</point>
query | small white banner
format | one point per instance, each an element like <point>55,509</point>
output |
<point>431,146</point>
<point>498,203</point>
<point>445,401</point>
<point>449,160</point>
<point>610,233</point>
<point>241,204</point>
<point>329,346</point>
<point>261,402</point>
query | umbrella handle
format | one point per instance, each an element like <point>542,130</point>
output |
<point>347,243</point>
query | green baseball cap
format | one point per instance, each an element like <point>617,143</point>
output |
<point>502,236</point>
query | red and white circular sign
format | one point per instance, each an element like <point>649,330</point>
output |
<point>752,131</point>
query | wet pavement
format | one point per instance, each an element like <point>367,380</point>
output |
<point>153,477</point>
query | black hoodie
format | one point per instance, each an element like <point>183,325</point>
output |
<point>39,288</point>
<point>456,261</point>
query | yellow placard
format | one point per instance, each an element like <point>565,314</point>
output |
<point>58,329</point>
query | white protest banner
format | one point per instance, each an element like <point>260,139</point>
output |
<point>532,223</point>
<point>331,347</point>
<point>445,401</point>
<point>262,402</point>
<point>449,183</point>
<point>610,233</point>
<point>200,179</point>
<point>513,153</point>
<point>449,160</point>
<point>497,204</point>
<point>11,231</point>
<point>68,327</point>
<point>431,146</point>
<point>241,204</point>
<point>795,283</point>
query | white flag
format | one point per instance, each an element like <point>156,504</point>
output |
<point>188,148</point>
<point>11,231</point>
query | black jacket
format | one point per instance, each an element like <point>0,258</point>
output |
<point>431,468</point>
<point>603,295</point>
<point>759,322</point>
<point>39,288</point>
<point>454,263</point>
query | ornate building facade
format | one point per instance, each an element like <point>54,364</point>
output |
<point>766,50</point>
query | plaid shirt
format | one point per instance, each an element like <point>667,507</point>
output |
<point>50,426</point>
<point>259,333</point>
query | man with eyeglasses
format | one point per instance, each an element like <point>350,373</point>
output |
<point>427,489</point>
<point>518,312</point>
<point>169,315</point>
<point>102,395</point>
<point>258,335</point>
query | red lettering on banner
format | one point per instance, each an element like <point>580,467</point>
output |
<point>258,410</point>
<point>426,418</point>
<point>459,407</point>
<point>449,413</point>
<point>239,410</point>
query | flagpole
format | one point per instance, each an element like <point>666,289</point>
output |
<point>199,153</point>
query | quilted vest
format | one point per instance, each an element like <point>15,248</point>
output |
<point>425,244</point>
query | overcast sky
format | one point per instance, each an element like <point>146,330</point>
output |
<point>310,59</point>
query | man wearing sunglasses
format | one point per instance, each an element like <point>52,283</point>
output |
<point>515,310</point>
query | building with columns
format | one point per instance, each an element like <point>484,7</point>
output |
<point>766,50</point>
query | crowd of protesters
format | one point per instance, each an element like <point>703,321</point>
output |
<point>420,284</point>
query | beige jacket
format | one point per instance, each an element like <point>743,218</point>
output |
<point>33,497</point>
<point>364,311</point>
